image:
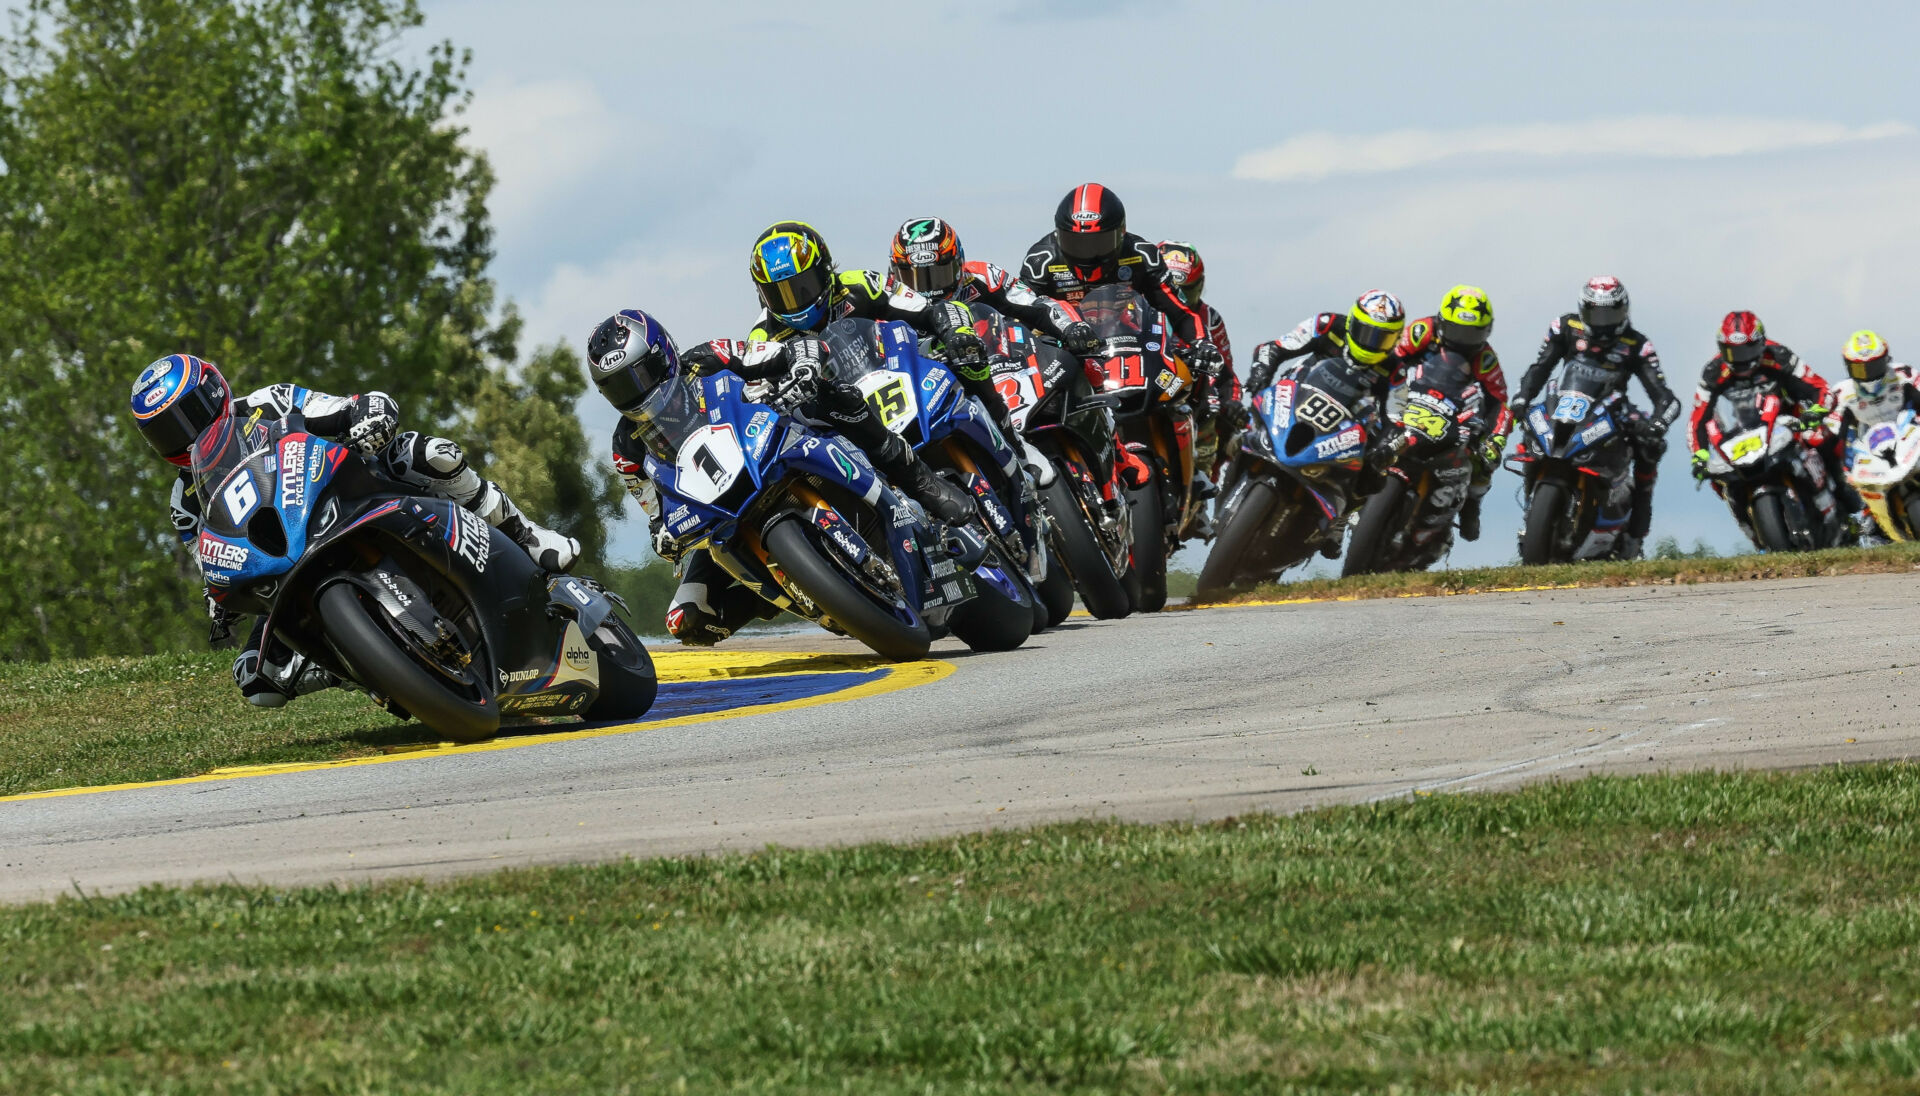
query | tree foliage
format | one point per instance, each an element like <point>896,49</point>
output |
<point>260,182</point>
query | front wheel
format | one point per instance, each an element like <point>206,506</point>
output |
<point>1236,540</point>
<point>379,660</point>
<point>628,683</point>
<point>1380,518</point>
<point>851,608</point>
<point>1545,512</point>
<point>1104,593</point>
<point>1056,594</point>
<point>990,620</point>
<point>1149,546</point>
<point>1770,523</point>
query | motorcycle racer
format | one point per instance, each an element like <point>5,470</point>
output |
<point>926,257</point>
<point>1217,410</point>
<point>1876,389</point>
<point>1364,338</point>
<point>180,399</point>
<point>1090,246</point>
<point>801,291</point>
<point>1746,353</point>
<point>1463,325</point>
<point>1601,330</point>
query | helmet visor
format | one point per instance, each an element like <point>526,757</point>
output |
<point>173,431</point>
<point>1089,247</point>
<point>1463,336</point>
<point>627,386</point>
<point>1605,317</point>
<point>1873,369</point>
<point>795,295</point>
<point>1744,354</point>
<point>935,279</point>
<point>1374,341</point>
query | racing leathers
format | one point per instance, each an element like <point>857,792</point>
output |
<point>1321,336</point>
<point>1852,409</point>
<point>267,671</point>
<point>869,295</point>
<point>1137,264</point>
<point>1420,338</point>
<point>1626,353</point>
<point>1806,392</point>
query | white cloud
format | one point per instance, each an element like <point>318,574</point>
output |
<point>1661,137</point>
<point>541,138</point>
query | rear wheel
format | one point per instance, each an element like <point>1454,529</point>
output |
<point>850,607</point>
<point>1056,592</point>
<point>1380,518</point>
<point>379,660</point>
<point>1546,510</point>
<point>1149,546</point>
<point>628,683</point>
<point>1226,563</point>
<point>1770,523</point>
<point>1103,591</point>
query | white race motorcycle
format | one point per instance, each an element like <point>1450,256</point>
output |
<point>1883,462</point>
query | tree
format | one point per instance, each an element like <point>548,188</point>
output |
<point>258,182</point>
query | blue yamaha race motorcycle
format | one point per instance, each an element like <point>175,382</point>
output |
<point>1294,475</point>
<point>415,599</point>
<point>1577,465</point>
<point>917,397</point>
<point>803,520</point>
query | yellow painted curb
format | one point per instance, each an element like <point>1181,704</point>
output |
<point>672,666</point>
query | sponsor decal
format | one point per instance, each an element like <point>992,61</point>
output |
<point>394,589</point>
<point>681,518</point>
<point>508,677</point>
<point>222,555</point>
<point>580,657</point>
<point>153,396</point>
<point>841,461</point>
<point>470,538</point>
<point>293,474</point>
<point>544,702</point>
<point>758,423</point>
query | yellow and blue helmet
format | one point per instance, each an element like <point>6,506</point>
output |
<point>176,401</point>
<point>793,272</point>
<point>1373,326</point>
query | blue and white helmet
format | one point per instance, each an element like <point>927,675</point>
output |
<point>176,401</point>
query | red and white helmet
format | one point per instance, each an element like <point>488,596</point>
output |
<point>1742,339</point>
<point>1603,305</point>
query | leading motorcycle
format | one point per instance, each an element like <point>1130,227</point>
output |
<point>415,599</point>
<point>1576,464</point>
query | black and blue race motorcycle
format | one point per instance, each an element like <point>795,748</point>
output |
<point>415,599</point>
<point>801,518</point>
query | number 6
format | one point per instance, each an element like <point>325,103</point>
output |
<point>240,498</point>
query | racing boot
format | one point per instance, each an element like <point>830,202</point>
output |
<point>1332,538</point>
<point>1868,530</point>
<point>701,615</point>
<point>1470,518</point>
<point>283,675</point>
<point>1639,522</point>
<point>905,470</point>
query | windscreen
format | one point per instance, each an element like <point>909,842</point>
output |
<point>1116,311</point>
<point>668,416</point>
<point>853,348</point>
<point>227,445</point>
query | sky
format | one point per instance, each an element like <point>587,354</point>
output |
<point>1712,155</point>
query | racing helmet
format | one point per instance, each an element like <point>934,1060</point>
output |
<point>1868,358</point>
<point>176,401</point>
<point>793,272</point>
<point>1090,225</point>
<point>629,355</point>
<point>927,257</point>
<point>1742,341</point>
<point>1603,305</point>
<point>1186,273</point>
<point>1466,319</point>
<point>1373,326</point>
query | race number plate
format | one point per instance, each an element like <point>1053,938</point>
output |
<point>891,396</point>
<point>709,461</point>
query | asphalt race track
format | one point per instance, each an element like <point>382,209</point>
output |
<point>1182,715</point>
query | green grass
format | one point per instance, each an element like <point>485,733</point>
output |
<point>1681,569</point>
<point>1698,933</point>
<point>112,720</point>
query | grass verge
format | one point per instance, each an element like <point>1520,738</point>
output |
<point>1893,558</point>
<point>1698,933</point>
<point>116,720</point>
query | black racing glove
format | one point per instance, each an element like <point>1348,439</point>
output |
<point>1079,338</point>
<point>372,421</point>
<point>221,628</point>
<point>1206,358</point>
